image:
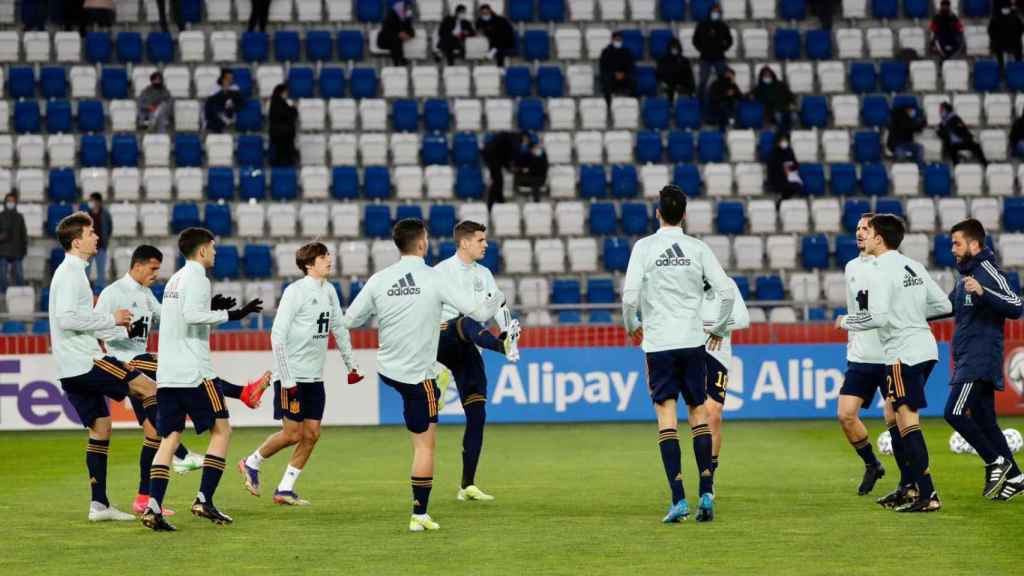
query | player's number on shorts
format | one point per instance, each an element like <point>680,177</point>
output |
<point>722,381</point>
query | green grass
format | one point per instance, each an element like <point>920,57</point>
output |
<point>571,499</point>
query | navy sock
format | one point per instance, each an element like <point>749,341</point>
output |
<point>149,405</point>
<point>901,455</point>
<point>181,452</point>
<point>149,448</point>
<point>702,452</point>
<point>671,458</point>
<point>159,477</point>
<point>473,437</point>
<point>913,440</point>
<point>230,390</point>
<point>213,468</point>
<point>421,493</point>
<point>96,461</point>
<point>863,448</point>
<point>469,329</point>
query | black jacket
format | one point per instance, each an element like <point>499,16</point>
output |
<point>712,39</point>
<point>775,97</point>
<point>954,126</point>
<point>105,229</point>
<point>503,148</point>
<point>392,26</point>
<point>777,179</point>
<point>499,32</point>
<point>675,69</point>
<point>223,103</point>
<point>446,37</point>
<point>283,119</point>
<point>724,90</point>
<point>616,60</point>
<point>1017,131</point>
<point>947,29</point>
<point>1004,31</point>
<point>13,235</point>
<point>535,166</point>
<point>902,128</point>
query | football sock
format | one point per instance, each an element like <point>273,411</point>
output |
<point>146,454</point>
<point>864,450</point>
<point>671,456</point>
<point>149,405</point>
<point>714,463</point>
<point>473,438</point>
<point>181,452</point>
<point>291,474</point>
<point>421,493</point>
<point>159,477</point>
<point>913,440</point>
<point>96,461</point>
<point>213,468</point>
<point>469,329</point>
<point>254,460</point>
<point>702,452</point>
<point>901,455</point>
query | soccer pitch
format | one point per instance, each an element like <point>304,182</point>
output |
<point>571,499</point>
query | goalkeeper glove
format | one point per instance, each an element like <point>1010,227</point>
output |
<point>221,302</point>
<point>253,306</point>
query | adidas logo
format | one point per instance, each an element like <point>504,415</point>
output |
<point>673,257</point>
<point>405,286</point>
<point>911,278</point>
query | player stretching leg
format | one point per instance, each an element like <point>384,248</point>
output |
<point>460,336</point>
<point>186,379</point>
<point>308,313</point>
<point>902,296</point>
<point>407,298</point>
<point>665,283</point>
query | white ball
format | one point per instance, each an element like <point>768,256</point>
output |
<point>1015,371</point>
<point>1014,439</point>
<point>884,443</point>
<point>958,445</point>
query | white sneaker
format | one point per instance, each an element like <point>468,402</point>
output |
<point>100,513</point>
<point>473,493</point>
<point>188,464</point>
<point>421,522</point>
<point>512,341</point>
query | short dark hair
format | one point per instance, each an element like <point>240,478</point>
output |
<point>156,75</point>
<point>406,232</point>
<point>145,253</point>
<point>890,227</point>
<point>672,204</point>
<point>70,228</point>
<point>96,196</point>
<point>868,215</point>
<point>191,239</point>
<point>485,7</point>
<point>466,228</point>
<point>11,195</point>
<point>972,229</point>
<point>307,255</point>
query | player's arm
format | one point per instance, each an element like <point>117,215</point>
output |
<point>71,316</point>
<point>465,301</point>
<point>195,303</point>
<point>631,287</point>
<point>740,315</point>
<point>363,307</point>
<point>504,316</point>
<point>724,286</point>
<point>341,336</point>
<point>996,292</point>
<point>877,314</point>
<point>279,337</point>
<point>106,304</point>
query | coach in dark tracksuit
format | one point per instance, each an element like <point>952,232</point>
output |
<point>982,301</point>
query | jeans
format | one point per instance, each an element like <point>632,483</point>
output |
<point>100,261</point>
<point>15,264</point>
<point>909,151</point>
<point>705,74</point>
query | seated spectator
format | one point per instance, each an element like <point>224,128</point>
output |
<point>499,32</point>
<point>617,66</point>
<point>452,34</point>
<point>712,39</point>
<point>674,72</point>
<point>283,121</point>
<point>723,96</point>
<point>784,171</point>
<point>98,12</point>
<point>1017,137</point>
<point>776,97</point>
<point>155,104</point>
<point>1004,32</point>
<point>396,31</point>
<point>222,106</point>
<point>956,137</point>
<point>904,122</point>
<point>947,32</point>
<point>531,170</point>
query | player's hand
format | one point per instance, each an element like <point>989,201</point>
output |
<point>355,376</point>
<point>253,306</point>
<point>637,336</point>
<point>973,286</point>
<point>221,302</point>
<point>839,322</point>
<point>714,343</point>
<point>122,317</point>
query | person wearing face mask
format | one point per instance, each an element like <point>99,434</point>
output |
<point>452,34</point>
<point>712,39</point>
<point>1004,32</point>
<point>903,124</point>
<point>283,119</point>
<point>617,66</point>
<point>499,32</point>
<point>104,227</point>
<point>674,72</point>
<point>13,243</point>
<point>956,137</point>
<point>221,107</point>
<point>777,99</point>
<point>396,31</point>
<point>155,105</point>
<point>724,96</point>
<point>783,170</point>
<point>532,171</point>
<point>947,33</point>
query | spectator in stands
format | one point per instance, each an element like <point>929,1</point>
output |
<point>776,97</point>
<point>617,66</point>
<point>499,32</point>
<point>532,170</point>
<point>947,32</point>
<point>904,122</point>
<point>259,15</point>
<point>33,15</point>
<point>712,39</point>
<point>155,104</point>
<point>501,152</point>
<point>1017,137</point>
<point>161,8</point>
<point>783,170</point>
<point>104,227</point>
<point>396,31</point>
<point>1004,32</point>
<point>221,107</point>
<point>13,242</point>
<point>824,9</point>
<point>724,95</point>
<point>283,120</point>
<point>452,34</point>
<point>674,72</point>
<point>956,137</point>
<point>98,12</point>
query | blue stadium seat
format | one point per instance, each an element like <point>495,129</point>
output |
<point>646,82</point>
<point>518,83</point>
<point>884,9</point>
<point>853,209</point>
<point>889,206</point>
<point>62,185</point>
<point>53,82</point>
<point>184,216</point>
<point>593,181</point>
<point>287,47</point>
<point>469,182</point>
<point>90,116</point>
<point>124,151</point>
<point>408,211</point>
<point>1013,279</point>
<point>230,325</point>
<point>159,48</point>
<point>616,254</point>
<point>1013,214</point>
<point>536,45</point>
<point>603,220</point>
<point>255,46</point>
<point>58,116</point>
<point>350,45</point>
<point>565,292</point>
<point>114,83</point>
<point>252,184</point>
<point>354,288</point>
<point>750,114</point>
<point>465,149</point>
<point>250,150</point>
<point>672,10</point>
<point>1015,76</point>
<point>344,183</point>
<point>550,82</point>
<point>376,182</point>
<point>943,251</point>
<point>258,261</point>
<point>656,113</point>
<point>648,146</point>
<point>601,291</point>
<point>188,151</point>
<point>370,10</point>
<point>975,9</point>
<point>405,115</point>
<point>916,9</point>
<point>250,116</point>
<point>843,179</point>
<point>98,48</point>
<point>377,219</point>
<point>319,46</point>
<point>688,113</point>
<point>551,10</point>
<point>129,47</point>
<point>599,317</point>
<point>13,327</point>
<point>687,177</point>
<point>54,214</point>
<point>874,111</point>
<point>986,76</point>
<point>792,9</point>
<point>625,183</point>
<point>765,145</point>
<point>191,10</point>
<point>769,288</point>
<point>93,153</point>
<point>701,9</point>
<point>814,111</point>
<point>863,78</point>
<point>937,180</point>
<point>436,115</point>
<point>56,257</point>
<point>332,82</point>
<point>867,147</point>
<point>787,44</point>
<point>442,220</point>
<point>41,326</point>
<point>743,283</point>
<point>813,176</point>
<point>893,76</point>
<point>814,251</point>
<point>658,41</point>
<point>446,249</point>
<point>680,146</point>
<point>21,81</point>
<point>520,11</point>
<point>710,147</point>
<point>492,258</point>
<point>819,44</point>
<point>905,100</point>
<point>434,150</point>
<point>731,218</point>
<point>284,183</point>
<point>220,184</point>
<point>300,82</point>
<point>530,115</point>
<point>243,79</point>
<point>635,219</point>
<point>363,83</point>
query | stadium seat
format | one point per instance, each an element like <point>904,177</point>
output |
<point>787,44</point>
<point>648,147</point>
<point>818,43</point>
<point>937,180</point>
<point>846,249</point>
<point>710,147</point>
<point>593,181</point>
<point>986,76</point>
<point>184,216</point>
<point>624,183</point>
<point>436,115</point>
<point>863,78</point>
<point>603,220</point>
<point>124,151</point>
<point>536,45</point>
<point>255,46</point>
<point>852,211</point>
<point>874,180</point>
<point>688,113</point>
<point>893,76</point>
<point>731,218</point>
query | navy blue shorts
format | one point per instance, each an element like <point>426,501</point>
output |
<point>466,364</point>
<point>204,404</point>
<point>146,364</point>
<point>674,372</point>
<point>305,401</point>
<point>905,384</point>
<point>88,392</point>
<point>419,401</point>
<point>861,380</point>
<point>717,379</point>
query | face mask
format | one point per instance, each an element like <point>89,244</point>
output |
<point>675,52</point>
<point>9,205</point>
<point>1006,11</point>
<point>460,15</point>
<point>912,113</point>
<point>767,79</point>
<point>486,17</point>
<point>93,205</point>
<point>537,152</point>
<point>783,145</point>
<point>716,16</point>
<point>617,44</point>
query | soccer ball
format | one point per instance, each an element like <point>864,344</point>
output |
<point>1015,371</point>
<point>958,445</point>
<point>884,443</point>
<point>1014,439</point>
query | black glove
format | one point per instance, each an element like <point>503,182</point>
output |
<point>253,306</point>
<point>221,302</point>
